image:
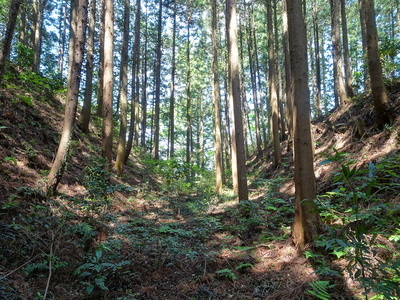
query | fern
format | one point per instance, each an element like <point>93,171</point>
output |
<point>319,289</point>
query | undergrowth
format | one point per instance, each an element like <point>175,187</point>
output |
<point>362,226</point>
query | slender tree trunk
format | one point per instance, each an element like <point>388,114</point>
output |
<point>273,87</point>
<point>288,94</point>
<point>87,101</point>
<point>144,87</point>
<point>254,84</point>
<point>218,157</point>
<point>378,89</point>
<point>259,84</point>
<point>37,24</point>
<point>121,149</point>
<point>364,46</point>
<point>62,32</point>
<point>307,223</point>
<point>156,144</point>
<point>133,126</point>
<point>108,81</point>
<point>238,152</point>
<point>6,44</point>
<point>23,28</point>
<point>172,97</point>
<point>282,123</point>
<point>346,55</point>
<point>340,90</point>
<point>245,109</point>
<point>100,83</point>
<point>189,137</point>
<point>78,25</point>
<point>318,97</point>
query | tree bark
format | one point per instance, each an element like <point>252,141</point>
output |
<point>307,223</point>
<point>6,44</point>
<point>172,97</point>
<point>218,156</point>
<point>238,152</point>
<point>100,84</point>
<point>108,81</point>
<point>156,144</point>
<point>133,126</point>
<point>318,97</point>
<point>120,160</point>
<point>87,100</point>
<point>78,25</point>
<point>346,56</point>
<point>272,66</point>
<point>340,90</point>
<point>36,33</point>
<point>378,89</point>
<point>253,78</point>
<point>144,88</point>
<point>62,32</point>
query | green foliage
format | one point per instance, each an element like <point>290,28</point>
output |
<point>94,273</point>
<point>24,56</point>
<point>227,274</point>
<point>84,230</point>
<point>13,159</point>
<point>97,181</point>
<point>320,289</point>
<point>356,203</point>
<point>43,265</point>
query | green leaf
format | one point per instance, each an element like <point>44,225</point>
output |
<point>89,288</point>
<point>27,100</point>
<point>8,158</point>
<point>243,248</point>
<point>100,283</point>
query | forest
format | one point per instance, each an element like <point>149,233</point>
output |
<point>201,149</point>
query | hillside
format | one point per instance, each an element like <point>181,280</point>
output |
<point>151,235</point>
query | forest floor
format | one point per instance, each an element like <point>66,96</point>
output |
<point>152,235</point>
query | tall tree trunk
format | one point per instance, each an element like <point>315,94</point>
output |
<point>172,97</point>
<point>367,84</point>
<point>218,157</point>
<point>189,134</point>
<point>238,152</point>
<point>120,160</point>
<point>253,78</point>
<point>318,98</point>
<point>6,44</point>
<point>378,89</point>
<point>282,123</point>
<point>156,144</point>
<point>100,83</point>
<point>288,94</point>
<point>273,87</point>
<point>259,84</point>
<point>87,100</point>
<point>62,30</point>
<point>23,27</point>
<point>346,55</point>
<point>340,90</point>
<point>245,109</point>
<point>36,33</point>
<point>133,126</point>
<point>144,88</point>
<point>108,81</point>
<point>78,25</point>
<point>307,223</point>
